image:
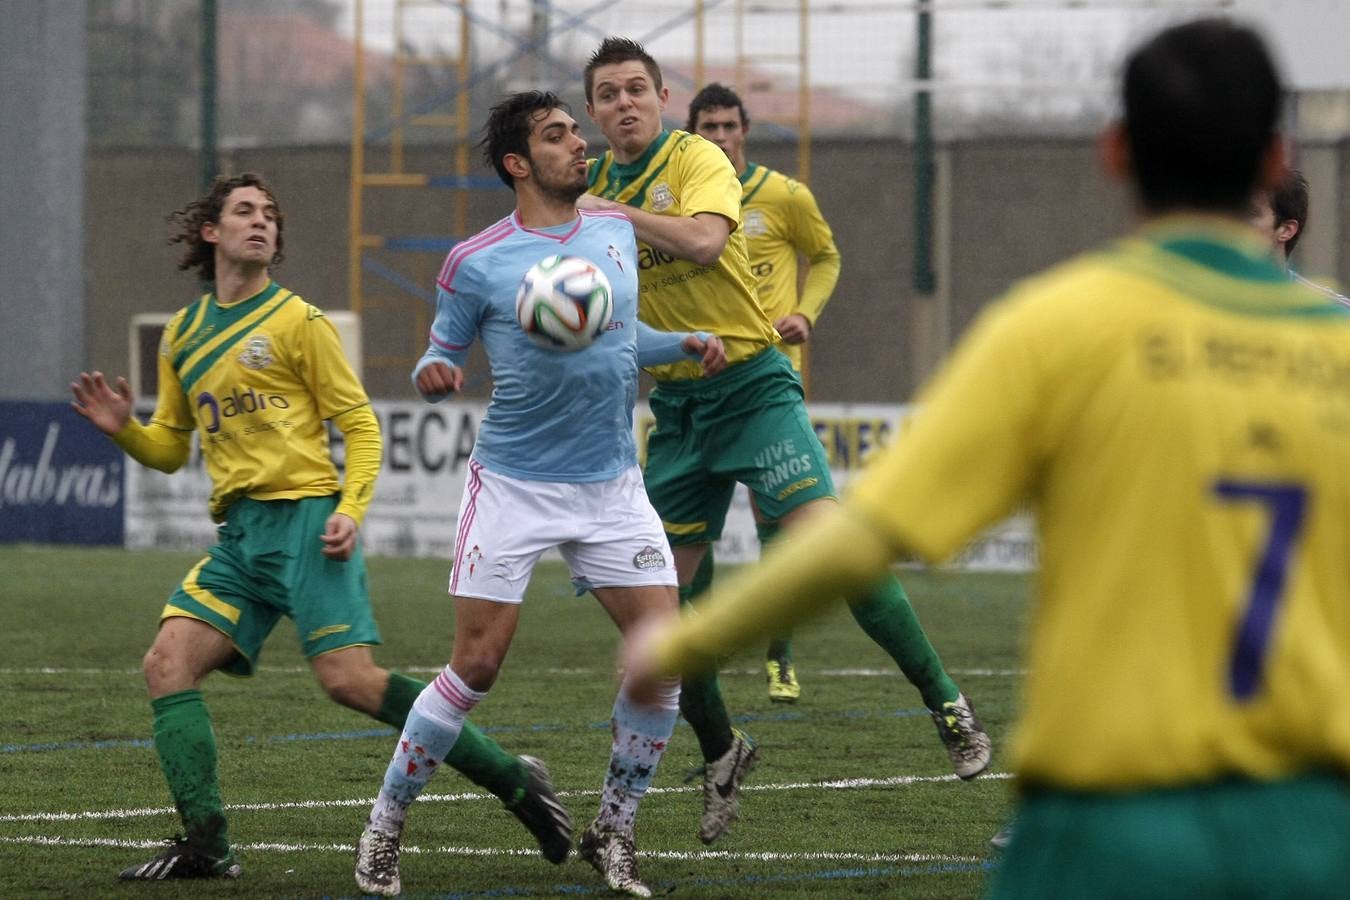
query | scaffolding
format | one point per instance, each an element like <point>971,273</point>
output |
<point>381,161</point>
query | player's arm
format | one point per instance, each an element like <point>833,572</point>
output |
<point>699,238</point>
<point>657,348</point>
<point>822,274</point>
<point>440,371</point>
<point>338,396</point>
<point>835,555</point>
<point>158,445</point>
<point>365,447</point>
<point>813,239</point>
<point>962,463</point>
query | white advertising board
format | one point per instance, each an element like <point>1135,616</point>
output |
<point>426,448</point>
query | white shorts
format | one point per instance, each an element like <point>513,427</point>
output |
<point>607,532</point>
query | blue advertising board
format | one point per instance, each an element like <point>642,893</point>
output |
<point>60,477</point>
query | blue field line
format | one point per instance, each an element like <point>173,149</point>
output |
<point>118,744</point>
<point>361,734</point>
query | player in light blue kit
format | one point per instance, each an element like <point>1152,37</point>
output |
<point>555,465</point>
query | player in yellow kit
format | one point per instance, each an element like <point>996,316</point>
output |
<point>747,424</point>
<point>1178,412</point>
<point>782,225</point>
<point>255,371</point>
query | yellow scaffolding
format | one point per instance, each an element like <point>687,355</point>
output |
<point>801,121</point>
<point>365,242</point>
<point>361,240</point>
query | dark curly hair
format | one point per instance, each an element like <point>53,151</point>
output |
<point>715,96</point>
<point>509,125</point>
<point>199,254</point>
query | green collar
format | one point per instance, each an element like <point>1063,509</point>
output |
<point>626,171</point>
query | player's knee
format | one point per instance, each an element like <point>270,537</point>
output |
<point>165,671</point>
<point>355,687</point>
<point>477,668</point>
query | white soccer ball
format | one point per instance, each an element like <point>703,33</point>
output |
<point>564,302</point>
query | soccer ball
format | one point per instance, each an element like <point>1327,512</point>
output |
<point>564,303</point>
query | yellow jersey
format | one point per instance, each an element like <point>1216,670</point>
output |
<point>256,379</point>
<point>781,220</point>
<point>681,174</point>
<point>1179,412</point>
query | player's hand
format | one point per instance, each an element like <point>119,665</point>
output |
<point>590,201</point>
<point>440,379</point>
<point>108,407</point>
<point>714,355</point>
<point>794,328</point>
<point>339,537</point>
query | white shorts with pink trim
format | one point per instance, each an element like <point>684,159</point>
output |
<point>607,532</point>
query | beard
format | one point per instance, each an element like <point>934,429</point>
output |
<point>561,190</point>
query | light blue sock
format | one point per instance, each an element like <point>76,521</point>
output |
<point>432,728</point>
<point>641,734</point>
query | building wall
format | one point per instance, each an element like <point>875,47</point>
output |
<point>42,141</point>
<point>1006,210</point>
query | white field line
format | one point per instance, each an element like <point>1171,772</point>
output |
<point>584,672</point>
<point>703,855</point>
<point>843,784</point>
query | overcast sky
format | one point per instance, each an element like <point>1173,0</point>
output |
<point>867,45</point>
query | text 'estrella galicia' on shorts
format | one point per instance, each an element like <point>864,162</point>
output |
<point>649,558</point>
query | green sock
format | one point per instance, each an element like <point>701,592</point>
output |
<point>187,754</point>
<point>703,579</point>
<point>701,701</point>
<point>474,755</point>
<point>483,761</point>
<point>399,696</point>
<point>885,614</point>
<point>780,647</point>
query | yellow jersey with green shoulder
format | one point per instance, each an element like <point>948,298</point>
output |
<point>256,379</point>
<point>682,174</point>
<point>781,220</point>
<point>1179,412</point>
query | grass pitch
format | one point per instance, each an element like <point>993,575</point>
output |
<point>854,795</point>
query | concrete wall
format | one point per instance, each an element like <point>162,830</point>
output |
<point>1006,210</point>
<point>42,142</point>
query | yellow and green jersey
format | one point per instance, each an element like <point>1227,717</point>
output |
<point>681,174</point>
<point>781,220</point>
<point>256,379</point>
<point>1179,412</point>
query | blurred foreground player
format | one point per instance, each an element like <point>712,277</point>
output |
<point>1175,407</point>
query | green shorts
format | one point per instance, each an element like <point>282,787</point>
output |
<point>1229,839</point>
<point>268,563</point>
<point>747,425</point>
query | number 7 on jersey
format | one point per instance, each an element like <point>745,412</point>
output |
<point>1287,503</point>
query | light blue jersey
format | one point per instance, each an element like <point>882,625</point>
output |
<point>553,416</point>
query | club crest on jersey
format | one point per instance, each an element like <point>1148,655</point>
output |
<point>257,352</point>
<point>754,224</point>
<point>662,198</point>
<point>614,254</point>
<point>649,558</point>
